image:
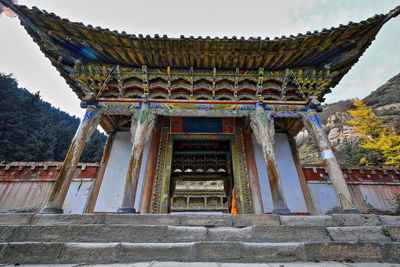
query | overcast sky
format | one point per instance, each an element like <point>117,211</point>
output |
<point>20,56</point>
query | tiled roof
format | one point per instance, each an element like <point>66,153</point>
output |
<point>67,43</point>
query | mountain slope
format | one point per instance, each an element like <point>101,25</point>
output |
<point>32,130</point>
<point>385,95</point>
<point>385,102</point>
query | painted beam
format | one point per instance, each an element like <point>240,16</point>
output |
<point>200,108</point>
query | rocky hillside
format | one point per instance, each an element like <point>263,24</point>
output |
<point>385,102</point>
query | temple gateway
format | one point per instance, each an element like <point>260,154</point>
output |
<point>199,124</point>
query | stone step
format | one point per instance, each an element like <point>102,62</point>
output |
<point>160,233</point>
<point>114,238</point>
<point>117,252</point>
<point>225,264</point>
<point>169,233</point>
<point>241,220</point>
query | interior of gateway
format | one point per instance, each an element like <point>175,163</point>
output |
<point>201,176</point>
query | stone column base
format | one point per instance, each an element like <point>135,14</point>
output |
<point>351,211</point>
<point>126,210</point>
<point>49,210</point>
<point>282,212</point>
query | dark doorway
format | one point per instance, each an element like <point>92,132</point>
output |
<point>201,176</point>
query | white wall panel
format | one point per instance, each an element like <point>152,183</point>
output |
<point>288,173</point>
<point>112,187</point>
<point>77,196</point>
<point>324,197</point>
<point>377,197</point>
<point>24,195</point>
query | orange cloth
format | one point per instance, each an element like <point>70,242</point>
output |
<point>233,210</point>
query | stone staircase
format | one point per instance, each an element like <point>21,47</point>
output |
<point>116,238</point>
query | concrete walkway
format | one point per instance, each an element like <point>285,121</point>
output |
<point>220,264</point>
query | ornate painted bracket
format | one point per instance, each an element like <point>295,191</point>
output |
<point>113,81</point>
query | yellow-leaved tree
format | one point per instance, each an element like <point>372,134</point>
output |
<point>380,140</point>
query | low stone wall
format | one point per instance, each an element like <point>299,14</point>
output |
<point>26,185</point>
<point>373,189</point>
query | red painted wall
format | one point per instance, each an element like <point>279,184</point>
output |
<point>355,174</point>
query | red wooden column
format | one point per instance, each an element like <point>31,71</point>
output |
<point>253,175</point>
<point>151,169</point>
<point>64,178</point>
<point>263,129</point>
<point>140,129</point>
<point>316,129</point>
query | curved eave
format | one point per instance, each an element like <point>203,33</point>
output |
<point>66,43</point>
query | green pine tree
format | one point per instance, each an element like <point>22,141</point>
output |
<point>33,130</point>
